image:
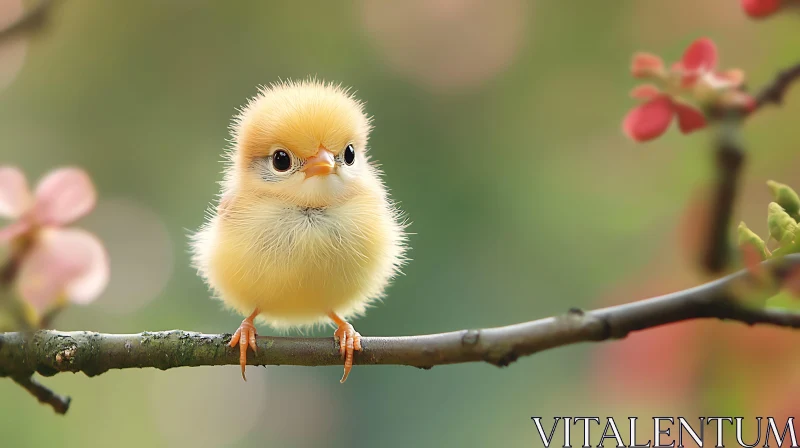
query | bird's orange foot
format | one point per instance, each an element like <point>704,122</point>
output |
<point>349,341</point>
<point>245,335</point>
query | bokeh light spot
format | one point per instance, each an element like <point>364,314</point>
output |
<point>208,407</point>
<point>279,406</point>
<point>140,250</point>
<point>447,45</point>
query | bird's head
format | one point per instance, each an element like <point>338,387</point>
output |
<point>302,142</point>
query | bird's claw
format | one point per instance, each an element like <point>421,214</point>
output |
<point>245,336</point>
<point>349,341</point>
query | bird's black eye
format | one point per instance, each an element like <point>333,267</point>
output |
<point>281,160</point>
<point>349,155</point>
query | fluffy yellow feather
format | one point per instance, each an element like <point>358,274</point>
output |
<point>304,230</point>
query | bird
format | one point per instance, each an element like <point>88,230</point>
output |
<point>304,231</point>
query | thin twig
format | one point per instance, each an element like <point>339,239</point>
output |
<point>31,20</point>
<point>774,92</point>
<point>50,352</point>
<point>47,317</point>
<point>8,303</point>
<point>8,271</point>
<point>729,160</point>
<point>59,403</point>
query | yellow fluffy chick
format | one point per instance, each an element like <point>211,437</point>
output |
<point>304,230</point>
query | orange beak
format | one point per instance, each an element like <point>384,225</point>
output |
<point>321,164</point>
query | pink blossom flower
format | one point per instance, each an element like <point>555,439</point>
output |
<point>695,76</point>
<point>55,262</point>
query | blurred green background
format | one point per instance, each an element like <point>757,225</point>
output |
<point>498,127</point>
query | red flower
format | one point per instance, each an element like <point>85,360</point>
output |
<point>760,8</point>
<point>698,60</point>
<point>695,75</point>
<point>651,119</point>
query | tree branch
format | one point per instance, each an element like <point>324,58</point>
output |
<point>59,403</point>
<point>774,92</point>
<point>31,20</point>
<point>50,352</point>
<point>729,159</point>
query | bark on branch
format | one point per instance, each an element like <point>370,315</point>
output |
<point>50,352</point>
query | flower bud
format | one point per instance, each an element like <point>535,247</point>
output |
<point>779,222</point>
<point>747,236</point>
<point>785,197</point>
